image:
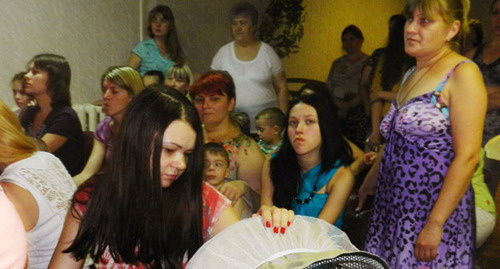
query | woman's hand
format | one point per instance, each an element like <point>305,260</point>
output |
<point>363,193</point>
<point>428,242</point>
<point>277,218</point>
<point>233,190</point>
<point>369,158</point>
<point>374,141</point>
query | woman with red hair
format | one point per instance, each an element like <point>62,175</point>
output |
<point>214,97</point>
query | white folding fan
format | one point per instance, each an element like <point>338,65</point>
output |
<point>248,244</point>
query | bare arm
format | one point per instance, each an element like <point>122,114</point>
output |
<point>467,103</point>
<point>364,87</point>
<point>357,154</point>
<point>266,195</point>
<point>370,181</point>
<point>339,187</point>
<point>228,218</point>
<point>281,88</point>
<point>68,234</point>
<point>134,61</point>
<point>24,202</point>
<point>53,141</point>
<point>250,160</point>
<point>93,164</point>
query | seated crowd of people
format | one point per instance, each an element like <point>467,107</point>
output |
<point>180,157</point>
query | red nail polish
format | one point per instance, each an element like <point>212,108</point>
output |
<point>282,231</point>
<point>288,224</point>
<point>275,230</point>
<point>268,224</point>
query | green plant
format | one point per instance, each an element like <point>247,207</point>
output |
<point>282,27</point>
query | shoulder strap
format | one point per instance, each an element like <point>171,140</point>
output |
<point>441,84</point>
<point>436,96</point>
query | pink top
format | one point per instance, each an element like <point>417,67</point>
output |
<point>13,242</point>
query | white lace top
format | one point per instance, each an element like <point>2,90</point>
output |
<point>46,178</point>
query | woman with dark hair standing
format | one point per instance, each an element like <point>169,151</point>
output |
<point>486,56</point>
<point>52,120</point>
<point>163,50</point>
<point>343,82</point>
<point>214,97</point>
<point>152,208</point>
<point>310,173</point>
<point>388,73</point>
<point>423,212</point>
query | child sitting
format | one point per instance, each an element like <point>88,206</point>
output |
<point>180,78</point>
<point>270,123</point>
<point>22,99</point>
<point>215,172</point>
<point>153,77</point>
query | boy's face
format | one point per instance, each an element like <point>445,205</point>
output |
<point>265,130</point>
<point>215,169</point>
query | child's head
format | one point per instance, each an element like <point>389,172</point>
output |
<point>270,123</point>
<point>215,164</point>
<point>153,77</point>
<point>180,78</point>
<point>21,98</point>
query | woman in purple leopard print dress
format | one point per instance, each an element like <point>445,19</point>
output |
<point>423,215</point>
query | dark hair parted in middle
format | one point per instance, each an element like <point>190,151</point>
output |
<point>285,169</point>
<point>129,211</point>
<point>245,9</point>
<point>214,82</point>
<point>353,30</point>
<point>172,44</point>
<point>59,73</point>
<point>396,61</point>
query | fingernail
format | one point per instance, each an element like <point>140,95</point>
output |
<point>282,231</point>
<point>268,224</point>
<point>275,230</point>
<point>288,224</point>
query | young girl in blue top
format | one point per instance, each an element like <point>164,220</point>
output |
<point>310,173</point>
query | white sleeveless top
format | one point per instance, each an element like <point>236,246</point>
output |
<point>47,180</point>
<point>13,244</point>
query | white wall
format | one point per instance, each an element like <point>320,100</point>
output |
<point>91,34</point>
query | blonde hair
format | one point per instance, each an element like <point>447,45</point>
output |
<point>124,77</point>
<point>449,10</point>
<point>14,144</point>
<point>181,72</point>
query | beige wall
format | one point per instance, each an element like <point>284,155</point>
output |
<point>324,22</point>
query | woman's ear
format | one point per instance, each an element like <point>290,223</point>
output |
<point>276,129</point>
<point>231,105</point>
<point>454,29</point>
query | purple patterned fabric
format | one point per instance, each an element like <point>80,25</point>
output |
<point>416,159</point>
<point>103,135</point>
